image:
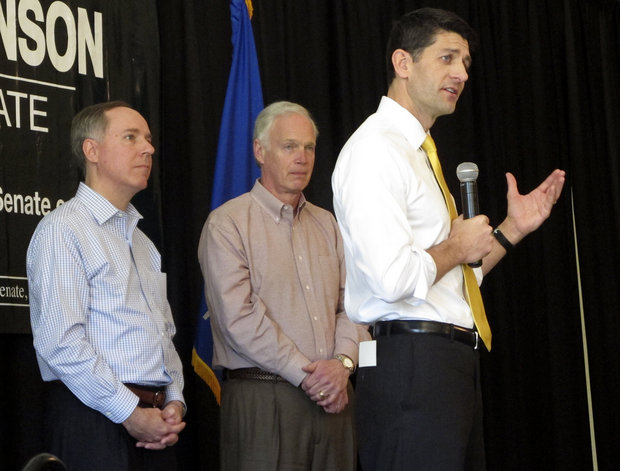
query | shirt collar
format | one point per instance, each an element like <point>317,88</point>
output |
<point>274,207</point>
<point>101,209</point>
<point>402,120</point>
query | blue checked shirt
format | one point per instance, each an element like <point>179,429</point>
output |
<point>98,305</point>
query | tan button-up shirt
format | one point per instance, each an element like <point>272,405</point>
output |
<point>274,282</point>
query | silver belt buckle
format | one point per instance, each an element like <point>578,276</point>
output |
<point>477,346</point>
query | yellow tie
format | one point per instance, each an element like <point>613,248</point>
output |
<point>472,290</point>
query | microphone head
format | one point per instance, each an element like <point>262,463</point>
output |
<point>467,172</point>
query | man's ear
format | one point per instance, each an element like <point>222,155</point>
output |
<point>89,147</point>
<point>259,152</point>
<point>401,61</point>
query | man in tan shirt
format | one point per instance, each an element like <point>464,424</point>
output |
<point>274,275</point>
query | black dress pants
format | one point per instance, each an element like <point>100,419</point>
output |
<point>85,440</point>
<point>420,408</point>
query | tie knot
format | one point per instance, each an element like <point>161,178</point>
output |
<point>429,145</point>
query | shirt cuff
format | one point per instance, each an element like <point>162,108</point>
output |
<point>173,393</point>
<point>293,372</point>
<point>121,406</point>
<point>348,348</point>
<point>426,278</point>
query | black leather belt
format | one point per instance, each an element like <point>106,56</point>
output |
<point>469,337</point>
<point>252,373</point>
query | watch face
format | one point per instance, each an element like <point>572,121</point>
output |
<point>346,362</point>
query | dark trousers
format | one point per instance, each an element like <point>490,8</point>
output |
<point>85,440</point>
<point>420,408</point>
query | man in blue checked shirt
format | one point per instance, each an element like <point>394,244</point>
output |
<point>100,318</point>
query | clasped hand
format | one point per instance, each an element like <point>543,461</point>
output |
<point>155,429</point>
<point>326,384</point>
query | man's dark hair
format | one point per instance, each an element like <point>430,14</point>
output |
<point>91,123</point>
<point>417,30</point>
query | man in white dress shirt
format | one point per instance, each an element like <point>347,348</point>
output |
<point>419,405</point>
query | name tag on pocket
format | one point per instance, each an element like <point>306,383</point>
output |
<point>368,353</point>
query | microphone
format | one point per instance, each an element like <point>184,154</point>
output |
<point>467,173</point>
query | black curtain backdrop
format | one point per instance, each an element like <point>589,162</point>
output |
<point>542,94</point>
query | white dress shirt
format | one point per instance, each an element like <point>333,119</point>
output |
<point>391,210</point>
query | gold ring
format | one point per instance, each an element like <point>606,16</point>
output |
<point>321,394</point>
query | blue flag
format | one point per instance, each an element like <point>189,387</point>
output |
<point>235,167</point>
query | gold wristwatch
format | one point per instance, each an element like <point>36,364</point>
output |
<point>346,362</point>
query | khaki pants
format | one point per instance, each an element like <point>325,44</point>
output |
<point>275,426</point>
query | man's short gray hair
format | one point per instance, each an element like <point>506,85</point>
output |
<point>266,118</point>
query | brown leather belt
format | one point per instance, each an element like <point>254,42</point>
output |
<point>252,373</point>
<point>149,396</point>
